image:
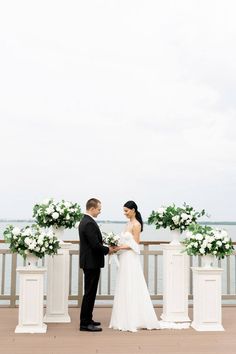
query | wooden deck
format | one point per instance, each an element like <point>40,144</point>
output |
<point>67,339</point>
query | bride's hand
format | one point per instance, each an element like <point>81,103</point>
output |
<point>116,248</point>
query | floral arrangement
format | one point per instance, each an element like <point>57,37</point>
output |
<point>31,239</point>
<point>60,214</point>
<point>174,217</point>
<point>110,239</point>
<point>203,240</point>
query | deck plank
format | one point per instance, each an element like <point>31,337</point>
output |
<point>67,339</point>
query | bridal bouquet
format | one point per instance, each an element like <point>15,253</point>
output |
<point>203,240</point>
<point>31,239</point>
<point>61,214</point>
<point>175,217</point>
<point>111,239</point>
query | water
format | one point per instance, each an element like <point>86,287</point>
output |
<point>149,233</point>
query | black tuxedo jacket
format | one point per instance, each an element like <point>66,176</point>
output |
<point>92,250</point>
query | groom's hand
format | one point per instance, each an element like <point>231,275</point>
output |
<point>111,250</point>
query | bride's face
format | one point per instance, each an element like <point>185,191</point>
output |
<point>129,213</point>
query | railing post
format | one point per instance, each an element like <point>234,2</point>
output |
<point>80,286</point>
<point>13,280</point>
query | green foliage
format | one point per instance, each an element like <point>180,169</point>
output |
<point>60,214</point>
<point>203,240</point>
<point>31,239</point>
<point>174,217</point>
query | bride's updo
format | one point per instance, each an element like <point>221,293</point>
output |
<point>132,205</point>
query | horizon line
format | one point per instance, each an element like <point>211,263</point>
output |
<point>123,222</point>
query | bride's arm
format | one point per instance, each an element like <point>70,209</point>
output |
<point>136,236</point>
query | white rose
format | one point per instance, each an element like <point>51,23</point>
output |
<point>227,246</point>
<point>28,241</point>
<point>202,250</point>
<point>219,243</point>
<point>176,219</point>
<point>26,232</point>
<point>46,201</point>
<point>16,231</point>
<point>161,210</point>
<point>55,215</point>
<point>68,204</point>
<point>67,217</point>
<point>43,249</point>
<point>184,216</point>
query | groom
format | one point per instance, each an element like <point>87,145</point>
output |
<point>92,254</point>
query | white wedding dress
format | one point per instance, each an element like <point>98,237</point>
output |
<point>132,308</point>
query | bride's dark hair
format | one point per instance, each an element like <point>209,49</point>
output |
<point>132,205</point>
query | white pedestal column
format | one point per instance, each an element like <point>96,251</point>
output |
<point>31,301</point>
<point>207,299</point>
<point>175,284</point>
<point>58,285</point>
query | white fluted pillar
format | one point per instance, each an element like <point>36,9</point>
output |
<point>175,283</point>
<point>58,285</point>
<point>31,300</point>
<point>207,299</point>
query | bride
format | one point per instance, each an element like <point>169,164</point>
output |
<point>132,308</point>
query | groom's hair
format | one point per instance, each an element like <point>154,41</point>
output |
<point>92,203</point>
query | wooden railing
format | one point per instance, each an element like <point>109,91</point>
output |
<point>151,257</point>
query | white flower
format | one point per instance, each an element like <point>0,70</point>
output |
<point>32,245</point>
<point>28,241</point>
<point>219,243</point>
<point>26,232</point>
<point>176,219</point>
<point>202,250</point>
<point>67,217</point>
<point>16,231</point>
<point>227,246</point>
<point>49,210</point>
<point>199,237</point>
<point>46,201</point>
<point>55,215</point>
<point>68,204</point>
<point>184,216</point>
<point>43,249</point>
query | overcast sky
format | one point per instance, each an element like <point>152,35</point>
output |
<point>119,100</point>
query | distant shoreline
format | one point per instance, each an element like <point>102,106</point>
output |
<point>124,222</point>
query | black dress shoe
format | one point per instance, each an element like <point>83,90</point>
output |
<point>95,323</point>
<point>90,328</point>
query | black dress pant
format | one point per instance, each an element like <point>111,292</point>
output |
<point>91,279</point>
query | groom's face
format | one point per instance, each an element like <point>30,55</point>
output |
<point>96,211</point>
